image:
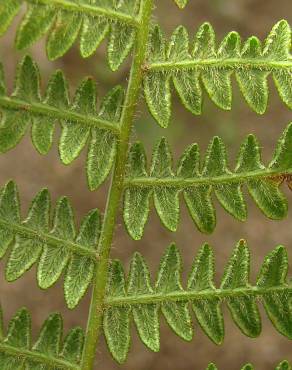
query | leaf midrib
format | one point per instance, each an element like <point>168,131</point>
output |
<point>37,357</point>
<point>40,108</point>
<point>188,295</point>
<point>47,238</point>
<point>222,63</point>
<point>182,183</point>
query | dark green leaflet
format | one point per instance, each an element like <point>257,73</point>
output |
<point>145,301</point>
<point>57,247</point>
<point>80,120</point>
<point>65,21</point>
<point>191,65</point>
<point>50,351</point>
<point>197,180</point>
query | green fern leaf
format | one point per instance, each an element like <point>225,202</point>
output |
<point>43,126</point>
<point>81,268</point>
<point>253,83</point>
<point>65,21</point>
<point>102,147</point>
<point>229,195</point>
<point>207,311</point>
<point>116,320</point>
<point>54,260</point>
<point>57,250</point>
<point>283,82</point>
<point>25,251</point>
<point>145,316</point>
<point>57,93</point>
<point>159,103</point>
<point>94,31</point>
<point>80,121</point>
<point>197,184</point>
<point>9,211</point>
<point>49,340</point>
<point>236,275</point>
<point>14,124</point>
<point>121,42</point>
<point>17,352</point>
<point>274,272</point>
<point>198,199</point>
<point>64,34</point>
<point>266,194</point>
<point>216,81</point>
<point>18,334</point>
<point>136,199</point>
<point>57,247</point>
<point>7,13</point>
<point>169,280</point>
<point>74,134</point>
<point>27,83</point>
<point>204,63</point>
<point>278,42</point>
<point>36,23</point>
<point>135,295</point>
<point>165,198</point>
<point>73,345</point>
<point>190,94</point>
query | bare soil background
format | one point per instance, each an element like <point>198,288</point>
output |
<point>32,172</point>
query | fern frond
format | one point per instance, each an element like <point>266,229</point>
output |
<point>64,20</point>
<point>48,352</point>
<point>136,295</point>
<point>57,249</point>
<point>284,365</point>
<point>80,121</point>
<point>197,182</point>
<point>188,67</point>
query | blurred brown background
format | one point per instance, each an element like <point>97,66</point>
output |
<point>32,172</point>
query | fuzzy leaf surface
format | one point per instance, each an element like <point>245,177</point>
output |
<point>192,66</point>
<point>65,21</point>
<point>54,246</point>
<point>135,297</point>
<point>81,121</point>
<point>49,352</point>
<point>197,179</point>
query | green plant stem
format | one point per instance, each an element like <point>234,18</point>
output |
<point>182,183</point>
<point>184,295</point>
<point>234,64</point>
<point>94,323</point>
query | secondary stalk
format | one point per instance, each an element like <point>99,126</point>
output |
<point>94,323</point>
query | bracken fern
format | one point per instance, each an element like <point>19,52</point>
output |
<point>83,256</point>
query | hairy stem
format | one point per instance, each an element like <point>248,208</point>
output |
<point>94,323</point>
<point>235,64</point>
<point>184,295</point>
<point>182,183</point>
